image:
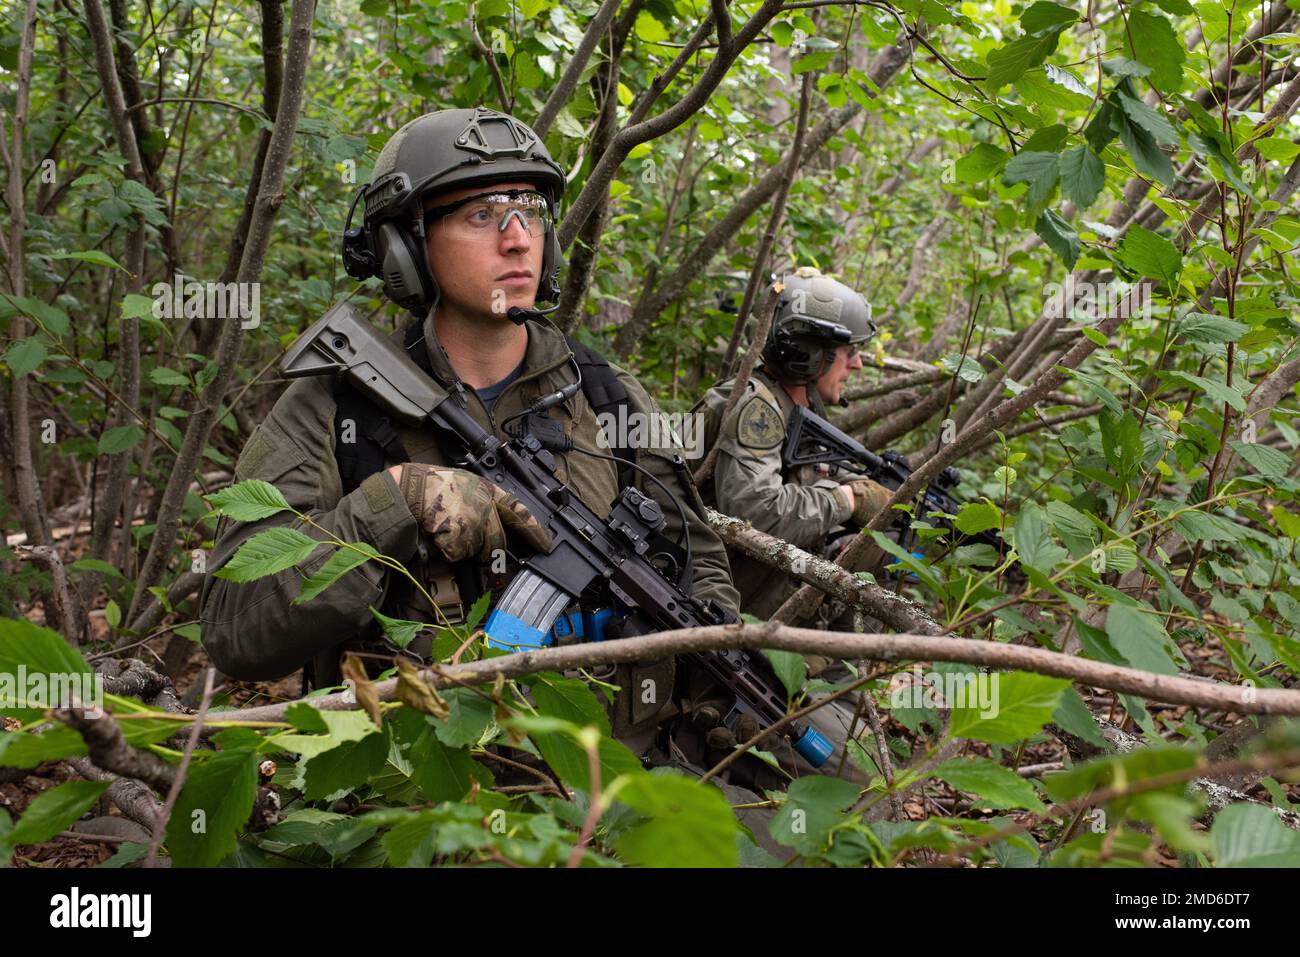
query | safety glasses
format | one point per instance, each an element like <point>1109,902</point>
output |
<point>485,216</point>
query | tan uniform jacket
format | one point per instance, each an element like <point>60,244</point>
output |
<point>802,507</point>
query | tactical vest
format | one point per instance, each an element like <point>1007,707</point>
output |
<point>376,440</point>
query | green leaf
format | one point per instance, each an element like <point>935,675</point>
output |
<point>51,319</point>
<point>1137,634</point>
<point>1150,254</point>
<point>478,611</point>
<point>1073,715</point>
<point>39,651</point>
<point>1172,815</point>
<point>994,785</point>
<point>335,567</point>
<point>1155,43</point>
<point>812,61</point>
<point>128,852</point>
<point>1063,77</point>
<point>1123,66</point>
<point>1044,17</point>
<point>399,630</point>
<point>1009,62</point>
<point>248,501</point>
<point>1249,835</point>
<point>1147,118</point>
<point>650,29</point>
<point>1195,524</point>
<point>814,805</point>
<point>571,701</point>
<point>136,306</point>
<point>339,760</point>
<point>269,551</point>
<point>341,727</point>
<point>1277,148</point>
<point>1267,461</point>
<point>1121,442</point>
<point>1033,541</point>
<point>1059,236</point>
<point>1288,522</point>
<point>1200,327</point>
<point>112,614</point>
<point>25,356</point>
<point>1021,704</point>
<point>1040,170</point>
<point>212,807</point>
<point>964,367</point>
<point>470,715</point>
<point>980,163</point>
<point>1218,391</point>
<point>117,440</point>
<point>53,811</point>
<point>832,87</point>
<point>93,256</point>
<point>443,773</point>
<point>164,376</point>
<point>22,749</point>
<point>1121,771</point>
<point>1148,158</point>
<point>687,824</point>
<point>789,667</point>
<point>1082,175</point>
<point>976,517</point>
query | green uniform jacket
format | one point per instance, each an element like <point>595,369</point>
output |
<point>252,631</point>
<point>749,483</point>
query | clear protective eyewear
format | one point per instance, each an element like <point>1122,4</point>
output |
<point>485,216</point>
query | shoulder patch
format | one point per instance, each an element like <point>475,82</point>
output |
<point>759,426</point>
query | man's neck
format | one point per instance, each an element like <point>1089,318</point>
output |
<point>797,393</point>
<point>482,351</point>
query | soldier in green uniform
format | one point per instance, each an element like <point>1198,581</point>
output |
<point>459,223</point>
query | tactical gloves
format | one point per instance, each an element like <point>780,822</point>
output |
<point>464,514</point>
<point>868,498</point>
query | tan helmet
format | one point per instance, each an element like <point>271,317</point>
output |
<point>814,315</point>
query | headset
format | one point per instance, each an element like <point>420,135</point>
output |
<point>397,255</point>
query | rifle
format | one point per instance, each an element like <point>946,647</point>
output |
<point>597,562</point>
<point>811,440</point>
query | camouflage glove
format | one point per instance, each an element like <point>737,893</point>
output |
<point>868,498</point>
<point>464,514</point>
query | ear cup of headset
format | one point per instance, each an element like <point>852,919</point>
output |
<point>402,266</point>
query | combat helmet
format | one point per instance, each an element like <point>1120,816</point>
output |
<point>440,151</point>
<point>814,315</point>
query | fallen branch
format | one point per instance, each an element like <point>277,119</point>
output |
<point>871,647</point>
<point>891,608</point>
